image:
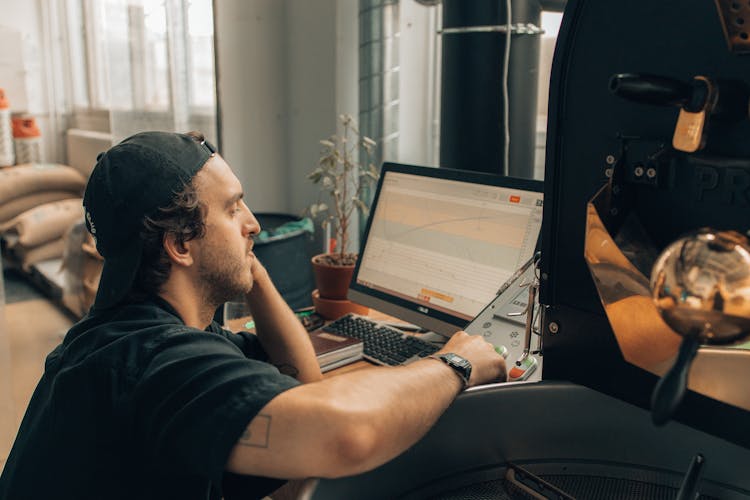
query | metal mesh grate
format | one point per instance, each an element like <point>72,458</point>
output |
<point>735,17</point>
<point>594,488</point>
<point>579,486</point>
<point>487,490</point>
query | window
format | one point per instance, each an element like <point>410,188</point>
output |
<point>144,63</point>
<point>412,101</point>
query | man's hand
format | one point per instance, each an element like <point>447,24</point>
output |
<point>282,335</point>
<point>258,271</point>
<point>486,364</point>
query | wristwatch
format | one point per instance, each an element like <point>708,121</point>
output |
<point>460,365</point>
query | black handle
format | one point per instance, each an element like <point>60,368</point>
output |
<point>651,89</point>
<point>670,390</point>
<point>689,487</point>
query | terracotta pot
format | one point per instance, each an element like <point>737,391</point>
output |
<point>334,309</point>
<point>332,281</point>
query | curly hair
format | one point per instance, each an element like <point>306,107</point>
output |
<point>184,218</point>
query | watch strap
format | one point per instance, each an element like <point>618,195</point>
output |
<point>460,365</point>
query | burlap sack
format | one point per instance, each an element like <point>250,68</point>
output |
<point>43,223</point>
<point>23,180</point>
<point>16,207</point>
<point>82,266</point>
<point>31,255</point>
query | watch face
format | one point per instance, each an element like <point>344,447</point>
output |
<point>457,360</point>
<point>460,365</point>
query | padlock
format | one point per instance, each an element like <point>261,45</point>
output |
<point>689,133</point>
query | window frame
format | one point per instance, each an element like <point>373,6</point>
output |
<point>94,112</point>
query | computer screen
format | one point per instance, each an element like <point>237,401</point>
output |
<point>439,243</point>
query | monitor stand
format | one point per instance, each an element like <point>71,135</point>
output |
<point>433,337</point>
<point>419,332</point>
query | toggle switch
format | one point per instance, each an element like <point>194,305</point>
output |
<point>522,369</point>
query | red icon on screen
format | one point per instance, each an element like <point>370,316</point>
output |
<point>515,199</point>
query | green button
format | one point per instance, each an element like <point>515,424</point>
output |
<point>501,350</point>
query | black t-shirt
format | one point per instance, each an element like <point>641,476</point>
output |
<point>135,405</point>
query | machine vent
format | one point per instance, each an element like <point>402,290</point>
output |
<point>735,18</point>
<point>577,486</point>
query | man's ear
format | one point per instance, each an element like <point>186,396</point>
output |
<point>179,252</point>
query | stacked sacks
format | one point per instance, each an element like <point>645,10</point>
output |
<point>38,233</point>
<point>83,268</point>
<point>23,187</point>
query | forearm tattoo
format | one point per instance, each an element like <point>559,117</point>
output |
<point>286,369</point>
<point>257,433</point>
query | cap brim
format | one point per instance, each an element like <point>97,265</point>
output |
<point>118,275</point>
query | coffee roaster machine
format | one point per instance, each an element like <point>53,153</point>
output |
<point>643,279</point>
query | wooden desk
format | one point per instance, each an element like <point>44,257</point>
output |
<point>238,324</point>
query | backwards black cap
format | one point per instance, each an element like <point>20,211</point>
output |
<point>130,182</point>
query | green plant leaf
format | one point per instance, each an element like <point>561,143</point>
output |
<point>360,204</point>
<point>341,175</point>
<point>317,208</point>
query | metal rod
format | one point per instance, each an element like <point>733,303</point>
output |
<point>515,29</point>
<point>517,274</point>
<point>529,320</point>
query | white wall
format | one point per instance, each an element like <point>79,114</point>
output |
<point>418,93</point>
<point>310,92</point>
<point>23,72</point>
<point>250,83</point>
<point>20,58</point>
<point>285,68</point>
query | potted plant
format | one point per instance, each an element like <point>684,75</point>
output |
<point>344,169</point>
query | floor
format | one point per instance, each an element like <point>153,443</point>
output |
<point>30,327</point>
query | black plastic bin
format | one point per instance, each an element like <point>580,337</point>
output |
<point>287,259</point>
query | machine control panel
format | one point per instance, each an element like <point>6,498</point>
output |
<point>503,323</point>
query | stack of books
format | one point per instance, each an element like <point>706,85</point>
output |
<point>334,351</point>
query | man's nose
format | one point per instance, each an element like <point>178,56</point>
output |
<point>252,226</point>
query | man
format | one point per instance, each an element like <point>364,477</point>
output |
<point>147,397</point>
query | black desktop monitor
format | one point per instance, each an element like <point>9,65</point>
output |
<point>439,243</point>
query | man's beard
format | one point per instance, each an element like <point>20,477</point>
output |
<point>223,278</point>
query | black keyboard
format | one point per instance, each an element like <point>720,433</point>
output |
<point>382,344</point>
